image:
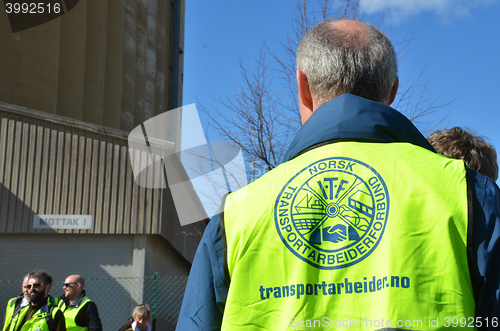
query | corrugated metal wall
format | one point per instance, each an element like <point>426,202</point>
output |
<point>69,168</point>
<point>55,165</point>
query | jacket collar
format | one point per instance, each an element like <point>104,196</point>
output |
<point>78,301</point>
<point>135,328</point>
<point>352,118</point>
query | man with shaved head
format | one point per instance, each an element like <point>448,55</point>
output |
<point>363,226</point>
<point>79,311</point>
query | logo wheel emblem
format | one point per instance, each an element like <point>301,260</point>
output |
<point>332,214</point>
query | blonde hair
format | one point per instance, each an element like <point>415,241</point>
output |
<point>143,310</point>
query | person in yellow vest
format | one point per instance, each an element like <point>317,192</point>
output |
<point>16,304</point>
<point>80,312</point>
<point>362,227</point>
<point>41,313</point>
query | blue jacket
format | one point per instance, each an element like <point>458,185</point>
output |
<point>352,118</point>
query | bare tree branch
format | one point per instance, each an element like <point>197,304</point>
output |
<point>257,122</point>
<point>262,121</point>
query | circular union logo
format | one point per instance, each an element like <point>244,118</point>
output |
<point>332,213</point>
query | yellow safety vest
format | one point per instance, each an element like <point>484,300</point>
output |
<point>70,314</point>
<point>42,320</point>
<point>9,311</point>
<point>350,236</point>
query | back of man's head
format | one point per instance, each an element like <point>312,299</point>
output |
<point>458,143</point>
<point>339,57</point>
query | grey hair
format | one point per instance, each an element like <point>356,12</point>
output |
<point>336,62</point>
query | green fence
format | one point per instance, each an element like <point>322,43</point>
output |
<point>117,297</point>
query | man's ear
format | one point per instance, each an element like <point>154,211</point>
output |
<point>394,91</point>
<point>47,289</point>
<point>306,106</point>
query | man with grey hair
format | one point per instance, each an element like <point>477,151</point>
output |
<point>17,303</point>
<point>362,226</point>
<point>347,58</point>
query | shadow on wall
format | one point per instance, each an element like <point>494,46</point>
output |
<point>11,207</point>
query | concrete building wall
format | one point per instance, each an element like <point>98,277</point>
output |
<point>92,256</point>
<point>113,63</point>
<point>115,269</point>
<point>70,92</point>
<point>161,258</point>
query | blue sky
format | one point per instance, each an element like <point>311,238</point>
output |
<point>458,41</point>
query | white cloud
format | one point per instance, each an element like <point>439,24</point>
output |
<point>398,9</point>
